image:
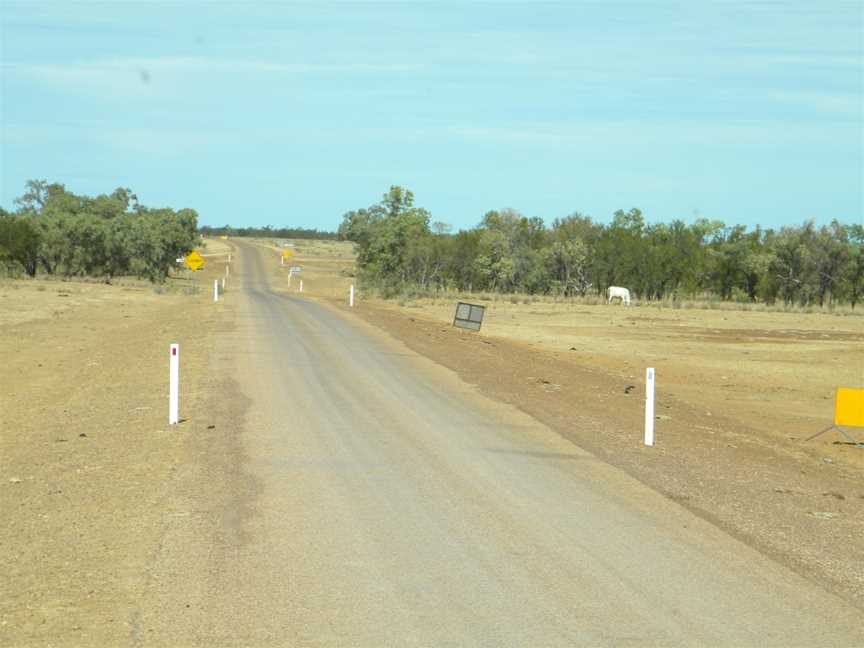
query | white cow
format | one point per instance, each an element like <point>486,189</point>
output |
<point>616,292</point>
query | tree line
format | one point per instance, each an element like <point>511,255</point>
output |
<point>399,247</point>
<point>56,232</point>
<point>268,231</point>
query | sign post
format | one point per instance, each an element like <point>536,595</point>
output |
<point>351,296</point>
<point>301,285</point>
<point>174,385</point>
<point>649,406</point>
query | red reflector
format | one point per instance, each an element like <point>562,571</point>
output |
<point>173,351</point>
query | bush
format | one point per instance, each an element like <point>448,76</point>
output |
<point>19,243</point>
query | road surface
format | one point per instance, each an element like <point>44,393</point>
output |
<point>383,502</point>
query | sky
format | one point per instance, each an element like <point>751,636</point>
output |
<point>291,114</point>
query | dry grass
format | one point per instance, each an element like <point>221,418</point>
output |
<point>774,370</point>
<point>449,296</point>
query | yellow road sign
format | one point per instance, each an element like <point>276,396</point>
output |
<point>849,407</point>
<point>194,261</point>
<point>286,254</point>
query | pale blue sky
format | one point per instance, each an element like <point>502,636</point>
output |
<point>291,114</point>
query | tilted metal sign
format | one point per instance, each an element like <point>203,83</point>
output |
<point>194,261</point>
<point>296,270</point>
<point>469,316</point>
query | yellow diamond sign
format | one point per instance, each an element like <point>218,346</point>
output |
<point>286,254</point>
<point>194,261</point>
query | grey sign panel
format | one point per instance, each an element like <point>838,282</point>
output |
<point>469,316</point>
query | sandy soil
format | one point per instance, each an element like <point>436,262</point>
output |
<point>87,459</point>
<point>737,394</point>
<point>775,372</point>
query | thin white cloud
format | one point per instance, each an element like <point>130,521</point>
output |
<point>143,76</point>
<point>624,135</point>
<point>836,103</point>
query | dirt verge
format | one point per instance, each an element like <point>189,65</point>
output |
<point>88,464</point>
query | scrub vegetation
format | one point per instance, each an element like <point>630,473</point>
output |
<point>401,250</point>
<point>268,231</point>
<point>56,232</point>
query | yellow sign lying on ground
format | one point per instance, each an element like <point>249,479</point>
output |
<point>224,238</point>
<point>194,261</point>
<point>849,407</point>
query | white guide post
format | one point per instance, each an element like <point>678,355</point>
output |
<point>215,290</point>
<point>649,406</point>
<point>283,260</point>
<point>301,285</point>
<point>227,269</point>
<point>174,385</point>
<point>229,257</point>
<point>351,296</point>
<point>223,284</point>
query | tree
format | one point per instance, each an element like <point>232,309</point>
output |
<point>793,264</point>
<point>853,279</point>
<point>567,263</point>
<point>619,252</point>
<point>19,242</point>
<point>33,200</point>
<point>831,254</point>
<point>390,238</point>
<point>103,236</point>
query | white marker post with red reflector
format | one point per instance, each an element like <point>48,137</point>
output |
<point>649,406</point>
<point>174,385</point>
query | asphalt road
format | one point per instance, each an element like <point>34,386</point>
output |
<point>380,501</point>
